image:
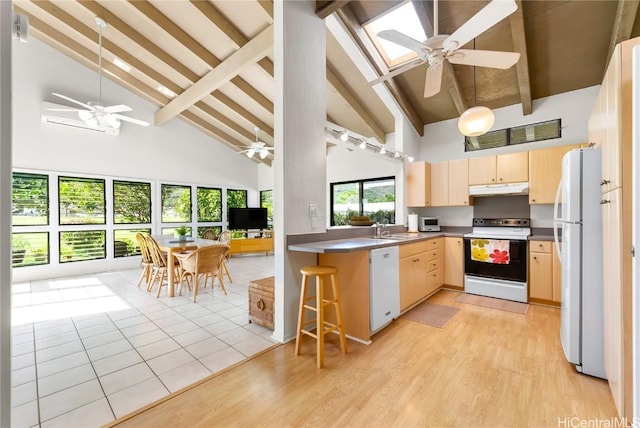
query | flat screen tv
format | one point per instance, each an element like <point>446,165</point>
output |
<point>247,218</point>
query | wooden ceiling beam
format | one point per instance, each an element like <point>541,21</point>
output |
<point>329,7</point>
<point>78,52</point>
<point>171,28</point>
<point>149,46</point>
<point>352,25</point>
<point>136,63</point>
<point>522,66</point>
<point>257,48</point>
<point>424,10</point>
<point>216,17</point>
<point>622,26</point>
<point>267,5</point>
<point>347,94</point>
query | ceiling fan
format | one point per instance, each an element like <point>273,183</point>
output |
<point>257,147</point>
<point>94,113</point>
<point>442,47</point>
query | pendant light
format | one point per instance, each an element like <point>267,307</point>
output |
<point>476,120</point>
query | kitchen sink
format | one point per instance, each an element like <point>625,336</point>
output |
<point>397,237</point>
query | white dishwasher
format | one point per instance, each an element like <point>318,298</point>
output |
<point>384,290</point>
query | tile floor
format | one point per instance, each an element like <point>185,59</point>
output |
<point>89,349</point>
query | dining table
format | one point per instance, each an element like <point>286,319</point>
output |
<point>172,245</point>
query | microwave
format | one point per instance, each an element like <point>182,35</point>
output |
<point>429,224</point>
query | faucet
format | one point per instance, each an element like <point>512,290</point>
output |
<point>379,232</point>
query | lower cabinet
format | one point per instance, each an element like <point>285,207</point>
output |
<point>544,273</point>
<point>454,262</point>
<point>421,270</point>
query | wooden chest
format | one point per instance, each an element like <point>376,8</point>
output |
<point>261,301</point>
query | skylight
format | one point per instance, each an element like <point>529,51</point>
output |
<point>403,19</point>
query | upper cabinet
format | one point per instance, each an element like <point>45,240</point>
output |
<point>450,183</point>
<point>545,172</point>
<point>506,168</point>
<point>418,184</point>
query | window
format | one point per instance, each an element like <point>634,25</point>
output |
<point>236,198</point>
<point>131,202</point>
<point>209,204</point>
<point>29,249</point>
<point>82,245</point>
<point>517,135</point>
<point>266,201</point>
<point>30,200</point>
<point>124,242</point>
<point>176,203</point>
<point>81,200</point>
<point>374,198</point>
<point>403,19</point>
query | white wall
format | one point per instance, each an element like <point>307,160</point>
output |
<point>442,141</point>
<point>175,151</point>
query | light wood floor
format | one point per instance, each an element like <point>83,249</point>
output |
<point>485,368</point>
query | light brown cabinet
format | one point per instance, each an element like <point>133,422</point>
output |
<point>450,183</point>
<point>544,281</point>
<point>421,271</point>
<point>545,172</point>
<point>611,128</point>
<point>506,168</point>
<point>418,182</point>
<point>454,262</point>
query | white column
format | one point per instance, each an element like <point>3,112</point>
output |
<point>6,8</point>
<point>300,147</point>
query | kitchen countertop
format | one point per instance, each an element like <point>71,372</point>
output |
<point>363,243</point>
<point>540,237</point>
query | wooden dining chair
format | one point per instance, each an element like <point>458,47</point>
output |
<point>209,234</point>
<point>205,261</point>
<point>146,261</point>
<point>159,267</point>
<point>225,237</point>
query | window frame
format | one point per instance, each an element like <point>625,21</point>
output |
<point>47,197</point>
<point>113,200</point>
<point>104,199</point>
<point>186,186</point>
<point>360,183</point>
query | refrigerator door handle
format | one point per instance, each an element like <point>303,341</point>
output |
<point>556,222</point>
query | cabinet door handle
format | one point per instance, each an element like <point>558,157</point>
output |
<point>260,304</point>
<point>605,201</point>
<point>535,258</point>
<point>533,200</point>
<point>501,179</point>
<point>605,182</point>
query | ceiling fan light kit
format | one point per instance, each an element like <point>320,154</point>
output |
<point>257,147</point>
<point>94,115</point>
<point>441,47</point>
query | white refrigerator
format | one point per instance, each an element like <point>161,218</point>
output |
<point>578,239</point>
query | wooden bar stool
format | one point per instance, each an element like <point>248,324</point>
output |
<point>322,327</point>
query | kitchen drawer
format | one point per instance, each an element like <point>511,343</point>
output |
<point>435,279</point>
<point>434,264</point>
<point>433,254</point>
<point>435,243</point>
<point>261,301</point>
<point>540,246</point>
<point>408,250</point>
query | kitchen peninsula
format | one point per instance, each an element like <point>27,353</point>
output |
<point>422,251</point>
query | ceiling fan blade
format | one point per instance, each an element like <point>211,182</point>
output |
<point>490,15</point>
<point>130,119</point>
<point>64,97</point>
<point>433,80</point>
<point>408,66</point>
<point>403,40</point>
<point>493,59</point>
<point>65,109</point>
<point>120,108</point>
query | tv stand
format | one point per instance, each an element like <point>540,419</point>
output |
<point>253,245</point>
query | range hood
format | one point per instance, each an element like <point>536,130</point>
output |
<point>499,189</point>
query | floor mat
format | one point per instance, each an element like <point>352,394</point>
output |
<point>490,302</point>
<point>432,314</point>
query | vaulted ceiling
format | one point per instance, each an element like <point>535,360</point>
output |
<point>217,58</point>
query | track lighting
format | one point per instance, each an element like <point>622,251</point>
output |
<point>363,145</point>
<point>396,155</point>
<point>382,150</point>
<point>410,158</point>
<point>344,136</point>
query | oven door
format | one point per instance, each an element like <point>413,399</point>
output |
<point>515,270</point>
